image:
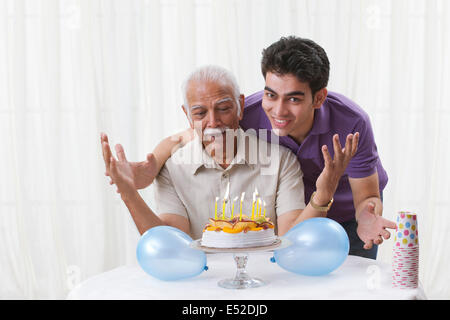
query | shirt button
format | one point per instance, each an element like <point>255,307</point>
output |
<point>225,175</point>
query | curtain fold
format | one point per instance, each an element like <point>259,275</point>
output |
<point>70,69</point>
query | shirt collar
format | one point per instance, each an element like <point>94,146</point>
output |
<point>321,120</point>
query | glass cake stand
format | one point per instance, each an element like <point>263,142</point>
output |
<point>242,280</point>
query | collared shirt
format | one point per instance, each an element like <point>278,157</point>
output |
<point>337,114</point>
<point>190,181</point>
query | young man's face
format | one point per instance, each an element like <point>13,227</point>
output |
<point>289,105</point>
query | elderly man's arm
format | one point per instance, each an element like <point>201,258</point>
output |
<point>144,218</point>
<point>289,219</point>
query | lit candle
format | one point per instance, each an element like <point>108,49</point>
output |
<point>259,207</point>
<point>257,203</point>
<point>223,209</point>
<point>215,208</point>
<point>225,200</point>
<point>232,208</point>
<point>253,205</point>
<point>240,210</point>
<point>264,208</point>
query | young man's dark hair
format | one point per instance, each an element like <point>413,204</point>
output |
<point>301,57</point>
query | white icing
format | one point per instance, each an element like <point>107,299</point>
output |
<point>220,239</point>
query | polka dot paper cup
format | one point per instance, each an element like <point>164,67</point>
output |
<point>405,260</point>
<point>405,267</point>
<point>406,235</point>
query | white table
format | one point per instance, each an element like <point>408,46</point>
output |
<point>357,278</point>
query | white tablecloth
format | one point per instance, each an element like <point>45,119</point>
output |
<point>356,278</point>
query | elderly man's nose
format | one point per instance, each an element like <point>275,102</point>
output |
<point>212,120</point>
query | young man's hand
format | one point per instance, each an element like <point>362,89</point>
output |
<point>328,180</point>
<point>372,226</point>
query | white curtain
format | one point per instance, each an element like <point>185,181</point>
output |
<point>70,69</point>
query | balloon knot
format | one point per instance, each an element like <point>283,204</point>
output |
<point>206,268</point>
<point>272,260</point>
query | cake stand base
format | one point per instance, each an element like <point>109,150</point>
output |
<point>241,280</point>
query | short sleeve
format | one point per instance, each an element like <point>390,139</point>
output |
<point>364,163</point>
<point>290,193</point>
<point>167,199</point>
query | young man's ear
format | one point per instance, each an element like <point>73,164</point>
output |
<point>241,105</point>
<point>320,97</point>
<point>188,116</point>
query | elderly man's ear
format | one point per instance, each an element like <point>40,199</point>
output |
<point>242,103</point>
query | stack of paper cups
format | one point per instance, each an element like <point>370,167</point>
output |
<point>405,262</point>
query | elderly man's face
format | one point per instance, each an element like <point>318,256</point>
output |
<point>212,107</point>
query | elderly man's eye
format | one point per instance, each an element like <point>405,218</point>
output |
<point>224,109</point>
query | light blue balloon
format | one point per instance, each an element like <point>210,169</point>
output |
<point>319,246</point>
<point>164,253</point>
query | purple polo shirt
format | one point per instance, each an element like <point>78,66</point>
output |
<point>340,115</point>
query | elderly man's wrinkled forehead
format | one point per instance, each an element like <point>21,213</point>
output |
<point>208,91</point>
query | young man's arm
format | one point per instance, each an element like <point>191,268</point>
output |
<point>168,146</point>
<point>368,211</point>
<point>326,184</point>
<point>364,183</point>
<point>144,172</point>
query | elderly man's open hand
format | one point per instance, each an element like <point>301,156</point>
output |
<point>141,173</point>
<point>119,170</point>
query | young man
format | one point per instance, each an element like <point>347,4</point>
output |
<point>297,106</point>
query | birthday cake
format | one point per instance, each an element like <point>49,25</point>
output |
<point>238,232</point>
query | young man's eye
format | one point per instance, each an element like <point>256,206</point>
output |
<point>270,95</point>
<point>294,99</point>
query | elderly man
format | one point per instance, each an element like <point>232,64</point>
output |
<point>185,192</point>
